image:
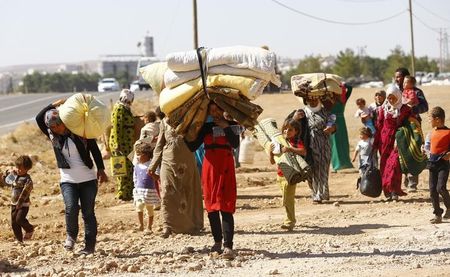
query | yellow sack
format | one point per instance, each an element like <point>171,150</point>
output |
<point>154,75</point>
<point>118,166</point>
<point>84,115</point>
<point>170,99</point>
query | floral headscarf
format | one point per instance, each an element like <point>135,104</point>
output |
<point>126,97</point>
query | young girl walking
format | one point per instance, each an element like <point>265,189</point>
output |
<point>144,192</point>
<point>219,137</point>
<point>291,131</point>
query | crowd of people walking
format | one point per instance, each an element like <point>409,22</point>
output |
<point>162,170</point>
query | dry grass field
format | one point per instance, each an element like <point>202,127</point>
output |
<point>351,235</point>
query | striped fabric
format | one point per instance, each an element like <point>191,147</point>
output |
<point>149,196</point>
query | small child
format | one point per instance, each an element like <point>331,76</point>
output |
<point>364,113</point>
<point>22,185</point>
<point>291,131</point>
<point>150,130</point>
<point>144,192</point>
<point>438,164</point>
<point>380,97</point>
<point>364,148</point>
<point>409,96</point>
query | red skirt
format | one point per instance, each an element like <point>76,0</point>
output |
<point>219,180</point>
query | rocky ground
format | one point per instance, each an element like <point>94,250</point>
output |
<point>351,235</point>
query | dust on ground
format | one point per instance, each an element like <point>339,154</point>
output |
<point>351,235</point>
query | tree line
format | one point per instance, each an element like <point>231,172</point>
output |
<point>352,67</point>
<point>59,82</point>
<point>355,68</point>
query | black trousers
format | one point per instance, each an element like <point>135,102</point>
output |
<point>19,220</point>
<point>438,185</point>
<point>224,229</point>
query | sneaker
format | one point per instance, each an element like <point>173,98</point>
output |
<point>288,227</point>
<point>446,214</point>
<point>86,251</point>
<point>436,219</point>
<point>69,244</point>
<point>228,253</point>
<point>217,247</point>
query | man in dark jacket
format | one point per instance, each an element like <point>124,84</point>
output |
<point>411,181</point>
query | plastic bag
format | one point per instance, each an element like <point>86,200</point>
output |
<point>118,166</point>
<point>370,181</point>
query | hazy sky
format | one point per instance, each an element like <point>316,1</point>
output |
<point>50,31</point>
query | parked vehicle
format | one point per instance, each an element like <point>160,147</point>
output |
<point>428,77</point>
<point>108,84</point>
<point>134,86</point>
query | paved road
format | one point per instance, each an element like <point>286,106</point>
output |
<point>16,109</point>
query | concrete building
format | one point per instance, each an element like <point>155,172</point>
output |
<point>116,64</point>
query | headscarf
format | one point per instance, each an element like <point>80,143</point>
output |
<point>394,110</point>
<point>126,97</point>
<point>52,119</point>
<point>315,109</point>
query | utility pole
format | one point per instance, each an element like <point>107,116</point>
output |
<point>194,3</point>
<point>441,53</point>
<point>413,72</point>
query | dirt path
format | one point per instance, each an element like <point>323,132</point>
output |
<point>351,235</point>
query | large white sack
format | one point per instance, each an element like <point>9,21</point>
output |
<point>84,115</point>
<point>153,74</point>
<point>254,58</point>
<point>176,78</point>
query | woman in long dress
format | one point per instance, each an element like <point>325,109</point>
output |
<point>340,157</point>
<point>121,141</point>
<point>390,117</point>
<point>321,125</point>
<point>181,195</point>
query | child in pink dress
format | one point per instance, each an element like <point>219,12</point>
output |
<point>409,96</point>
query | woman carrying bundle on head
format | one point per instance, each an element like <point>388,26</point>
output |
<point>218,176</point>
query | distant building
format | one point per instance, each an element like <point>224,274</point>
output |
<point>111,65</point>
<point>116,64</point>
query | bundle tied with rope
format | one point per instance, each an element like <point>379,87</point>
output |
<point>232,86</point>
<point>328,88</point>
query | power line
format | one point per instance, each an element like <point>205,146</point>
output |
<point>363,1</point>
<point>426,25</point>
<point>338,22</point>
<point>433,13</point>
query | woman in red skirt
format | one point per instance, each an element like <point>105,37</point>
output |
<point>218,176</point>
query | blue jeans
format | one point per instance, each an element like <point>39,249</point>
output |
<point>76,195</point>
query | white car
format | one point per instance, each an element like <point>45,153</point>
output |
<point>134,86</point>
<point>108,84</point>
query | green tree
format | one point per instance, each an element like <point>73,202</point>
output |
<point>309,64</point>
<point>396,59</point>
<point>373,68</point>
<point>348,64</point>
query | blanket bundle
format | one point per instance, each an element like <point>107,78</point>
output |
<point>327,87</point>
<point>232,77</point>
